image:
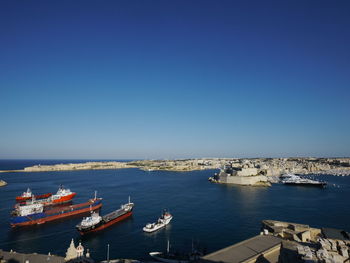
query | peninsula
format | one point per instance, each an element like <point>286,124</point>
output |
<point>261,166</point>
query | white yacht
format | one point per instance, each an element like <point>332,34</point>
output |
<point>293,179</point>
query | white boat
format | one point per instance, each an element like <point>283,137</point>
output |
<point>162,222</point>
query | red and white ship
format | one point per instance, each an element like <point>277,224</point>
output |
<point>28,195</point>
<point>62,196</point>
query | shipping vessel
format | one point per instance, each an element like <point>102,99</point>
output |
<point>164,219</point>
<point>28,195</point>
<point>95,222</point>
<point>62,196</point>
<point>36,213</point>
<point>292,179</point>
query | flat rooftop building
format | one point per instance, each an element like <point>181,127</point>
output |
<point>261,247</point>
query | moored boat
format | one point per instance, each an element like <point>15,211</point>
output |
<point>62,196</point>
<point>164,219</point>
<point>95,222</point>
<point>170,257</point>
<point>27,195</point>
<point>292,179</point>
<point>36,213</point>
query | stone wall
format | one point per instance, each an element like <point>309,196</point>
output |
<point>242,180</point>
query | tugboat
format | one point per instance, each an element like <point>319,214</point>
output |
<point>63,195</point>
<point>169,257</point>
<point>164,219</point>
<point>27,195</point>
<point>292,179</point>
<point>36,213</point>
<point>95,222</point>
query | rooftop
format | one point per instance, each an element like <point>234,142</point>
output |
<point>32,258</point>
<point>245,250</point>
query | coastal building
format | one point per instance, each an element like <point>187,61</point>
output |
<point>73,255</point>
<point>285,242</point>
<point>302,243</point>
<point>76,254</point>
<point>71,252</point>
<point>240,176</point>
<point>291,231</point>
<point>256,249</point>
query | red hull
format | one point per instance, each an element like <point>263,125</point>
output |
<point>55,217</point>
<point>21,198</point>
<point>64,199</point>
<point>118,219</point>
<point>48,202</point>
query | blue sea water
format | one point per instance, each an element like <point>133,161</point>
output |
<point>212,215</point>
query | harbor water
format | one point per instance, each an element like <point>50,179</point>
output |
<point>209,215</point>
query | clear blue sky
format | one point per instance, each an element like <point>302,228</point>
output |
<point>174,79</point>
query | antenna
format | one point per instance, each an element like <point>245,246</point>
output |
<point>129,199</point>
<point>95,194</point>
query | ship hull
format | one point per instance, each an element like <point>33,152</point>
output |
<point>64,199</point>
<point>55,214</point>
<point>21,198</point>
<point>306,184</point>
<point>49,202</point>
<point>104,225</point>
<point>157,227</point>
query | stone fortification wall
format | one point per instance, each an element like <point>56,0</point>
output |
<point>241,180</point>
<point>247,172</point>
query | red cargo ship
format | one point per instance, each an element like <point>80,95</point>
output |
<point>96,222</point>
<point>34,213</point>
<point>29,195</point>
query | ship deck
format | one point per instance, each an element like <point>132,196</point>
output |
<point>113,215</point>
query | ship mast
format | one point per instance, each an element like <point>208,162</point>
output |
<point>107,253</point>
